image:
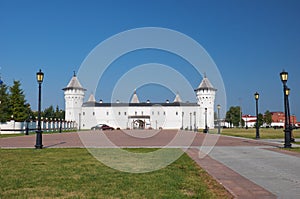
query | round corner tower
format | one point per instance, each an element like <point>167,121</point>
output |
<point>74,96</point>
<point>206,98</point>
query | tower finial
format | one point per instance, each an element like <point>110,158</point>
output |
<point>74,73</point>
<point>204,74</point>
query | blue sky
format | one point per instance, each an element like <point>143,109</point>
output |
<point>250,42</point>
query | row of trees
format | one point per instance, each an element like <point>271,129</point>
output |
<point>13,105</point>
<point>234,114</point>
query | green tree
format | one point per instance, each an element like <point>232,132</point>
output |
<point>18,106</point>
<point>59,113</point>
<point>49,112</point>
<point>268,118</point>
<point>260,119</point>
<point>4,103</point>
<point>233,115</point>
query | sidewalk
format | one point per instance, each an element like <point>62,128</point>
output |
<point>253,171</point>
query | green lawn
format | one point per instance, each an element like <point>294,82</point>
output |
<point>10,135</point>
<point>74,173</point>
<point>265,133</point>
<point>32,133</point>
<point>296,149</point>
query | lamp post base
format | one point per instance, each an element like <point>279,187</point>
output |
<point>39,142</point>
<point>287,138</point>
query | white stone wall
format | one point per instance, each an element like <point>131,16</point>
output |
<point>166,117</point>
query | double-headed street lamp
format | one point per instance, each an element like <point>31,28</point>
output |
<point>287,93</point>
<point>39,142</point>
<point>287,130</point>
<point>256,96</point>
<point>219,125</point>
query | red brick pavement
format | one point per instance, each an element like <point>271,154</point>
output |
<point>171,138</point>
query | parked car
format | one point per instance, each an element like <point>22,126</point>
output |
<point>102,127</point>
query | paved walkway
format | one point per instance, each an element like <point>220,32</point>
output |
<point>246,168</point>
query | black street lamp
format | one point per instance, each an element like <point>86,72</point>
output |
<point>219,125</point>
<point>195,125</point>
<point>60,121</point>
<point>206,129</point>
<point>27,121</point>
<point>287,130</point>
<point>256,96</point>
<point>287,93</point>
<point>40,78</point>
<point>190,121</point>
<point>182,114</point>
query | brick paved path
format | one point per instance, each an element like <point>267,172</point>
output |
<point>230,160</point>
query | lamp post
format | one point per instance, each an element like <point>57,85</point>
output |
<point>195,125</point>
<point>219,126</point>
<point>256,96</point>
<point>190,121</point>
<point>27,121</point>
<point>287,130</point>
<point>205,129</point>
<point>287,93</point>
<point>60,121</point>
<point>39,145</point>
<point>182,114</point>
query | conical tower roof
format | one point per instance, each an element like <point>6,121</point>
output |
<point>74,84</point>
<point>205,85</point>
<point>92,98</point>
<point>135,98</point>
<point>177,98</point>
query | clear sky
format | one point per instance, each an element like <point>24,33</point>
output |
<point>250,42</point>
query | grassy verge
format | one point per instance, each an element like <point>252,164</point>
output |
<point>10,135</point>
<point>32,133</point>
<point>296,149</point>
<point>265,133</point>
<point>74,173</point>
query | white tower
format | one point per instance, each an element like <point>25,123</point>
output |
<point>206,98</point>
<point>74,96</point>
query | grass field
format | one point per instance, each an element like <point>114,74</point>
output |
<point>74,173</point>
<point>296,149</point>
<point>265,133</point>
<point>32,133</point>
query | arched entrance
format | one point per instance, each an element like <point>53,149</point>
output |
<point>139,124</point>
<point>139,121</point>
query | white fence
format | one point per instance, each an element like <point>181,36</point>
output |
<point>13,127</point>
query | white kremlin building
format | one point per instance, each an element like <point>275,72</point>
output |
<point>143,115</point>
